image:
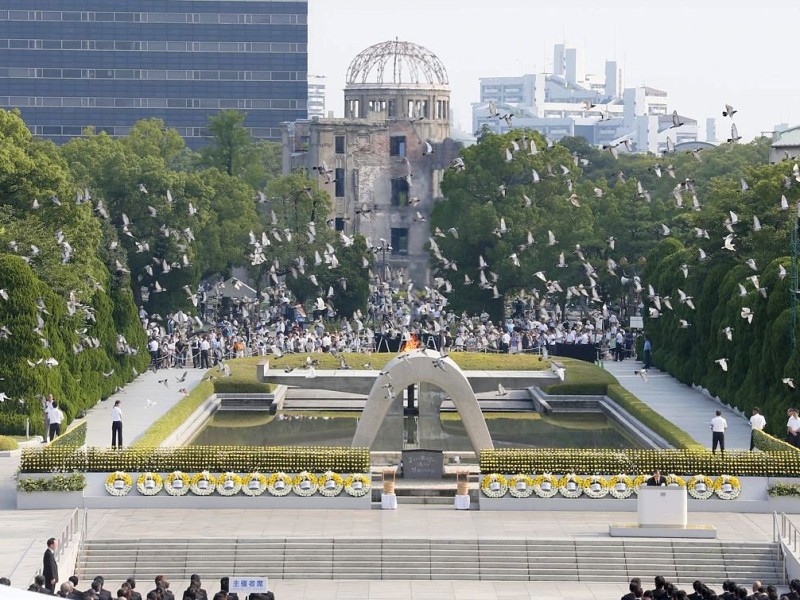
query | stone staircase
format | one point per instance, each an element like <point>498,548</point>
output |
<point>607,560</point>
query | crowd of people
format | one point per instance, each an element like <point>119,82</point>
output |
<point>280,325</point>
<point>664,590</point>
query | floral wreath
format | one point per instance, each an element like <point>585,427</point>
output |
<point>279,484</point>
<point>177,483</point>
<point>621,486</point>
<point>305,484</point>
<point>149,484</point>
<point>119,483</point>
<point>595,486</point>
<point>494,485</point>
<point>260,484</point>
<point>570,491</point>
<point>673,479</point>
<point>706,485</point>
<point>357,485</point>
<point>203,484</point>
<point>545,485</point>
<point>727,494</point>
<point>638,482</point>
<point>229,484</point>
<point>330,484</point>
<point>520,485</point>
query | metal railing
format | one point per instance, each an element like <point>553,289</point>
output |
<point>75,526</point>
<point>783,530</point>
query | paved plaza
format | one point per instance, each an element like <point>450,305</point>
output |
<point>24,532</point>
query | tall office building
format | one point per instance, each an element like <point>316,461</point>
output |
<point>70,65</point>
<point>316,96</point>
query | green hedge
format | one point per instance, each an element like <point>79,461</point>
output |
<point>767,443</point>
<point>175,416</point>
<point>57,483</point>
<point>234,385</point>
<point>74,438</point>
<point>13,424</point>
<point>609,462</point>
<point>7,443</point>
<point>597,388</point>
<point>784,489</point>
<point>242,459</point>
<point>666,429</point>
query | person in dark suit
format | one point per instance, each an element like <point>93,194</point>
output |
<point>38,586</point>
<point>97,588</point>
<point>50,566</point>
<point>162,586</point>
<point>631,595</point>
<point>132,584</point>
<point>656,479</point>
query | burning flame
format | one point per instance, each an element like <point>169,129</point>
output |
<point>412,343</point>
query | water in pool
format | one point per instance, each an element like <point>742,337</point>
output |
<point>508,430</point>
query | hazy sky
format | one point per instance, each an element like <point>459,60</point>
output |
<point>704,53</point>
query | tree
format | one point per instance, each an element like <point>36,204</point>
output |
<point>230,142</point>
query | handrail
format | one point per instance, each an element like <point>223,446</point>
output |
<point>74,525</point>
<point>784,530</point>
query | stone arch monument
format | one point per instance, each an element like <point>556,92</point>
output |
<point>422,366</point>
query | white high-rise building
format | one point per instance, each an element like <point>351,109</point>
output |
<point>316,96</point>
<point>571,102</point>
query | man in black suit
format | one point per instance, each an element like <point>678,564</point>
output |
<point>132,584</point>
<point>50,567</point>
<point>97,588</point>
<point>656,479</point>
<point>631,595</point>
<point>162,586</point>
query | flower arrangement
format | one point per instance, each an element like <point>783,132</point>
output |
<point>305,484</point>
<point>254,484</point>
<point>570,486</point>
<point>700,487</point>
<point>177,483</point>
<point>545,485</point>
<point>280,484</point>
<point>494,485</point>
<point>149,484</point>
<point>595,486</point>
<point>119,483</point>
<point>621,486</point>
<point>727,487</point>
<point>638,482</point>
<point>57,483</point>
<point>673,479</point>
<point>357,485</point>
<point>203,484</point>
<point>229,484</point>
<point>520,485</point>
<point>330,484</point>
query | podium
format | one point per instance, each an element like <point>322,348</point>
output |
<point>662,506</point>
<point>662,513</point>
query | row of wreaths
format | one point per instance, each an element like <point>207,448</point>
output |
<point>546,485</point>
<point>177,483</point>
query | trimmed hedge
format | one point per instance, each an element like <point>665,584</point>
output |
<point>57,483</point>
<point>679,462</point>
<point>163,427</point>
<point>241,459</point>
<point>233,385</point>
<point>666,429</point>
<point>784,489</point>
<point>767,443</point>
<point>7,443</point>
<point>74,438</point>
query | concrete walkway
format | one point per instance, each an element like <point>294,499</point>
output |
<point>682,405</point>
<point>137,413</point>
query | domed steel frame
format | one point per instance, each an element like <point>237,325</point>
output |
<point>398,63</point>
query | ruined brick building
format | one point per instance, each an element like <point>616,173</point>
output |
<point>383,162</point>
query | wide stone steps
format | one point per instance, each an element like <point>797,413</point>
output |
<point>499,560</point>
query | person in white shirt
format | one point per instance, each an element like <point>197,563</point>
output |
<point>116,425</point>
<point>55,417</point>
<point>757,423</point>
<point>718,427</point>
<point>793,428</point>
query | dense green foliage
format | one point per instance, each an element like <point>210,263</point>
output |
<point>767,443</point>
<point>242,459</point>
<point>64,312</point>
<point>784,489</point>
<point>611,462</point>
<point>75,482</point>
<point>74,438</point>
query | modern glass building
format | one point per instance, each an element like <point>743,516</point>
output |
<point>69,64</point>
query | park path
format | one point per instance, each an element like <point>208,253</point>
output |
<point>137,413</point>
<point>681,404</point>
